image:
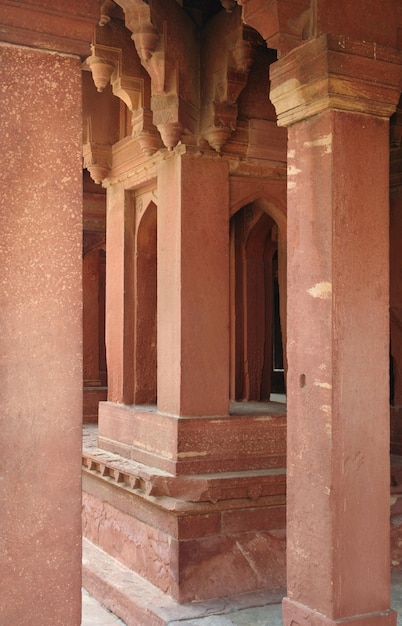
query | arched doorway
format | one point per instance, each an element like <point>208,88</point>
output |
<point>257,358</point>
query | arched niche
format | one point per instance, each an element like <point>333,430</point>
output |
<point>258,300</point>
<point>145,340</point>
<point>93,282</point>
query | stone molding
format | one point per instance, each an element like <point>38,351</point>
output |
<point>336,73</point>
<point>148,481</point>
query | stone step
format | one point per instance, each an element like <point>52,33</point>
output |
<point>138,602</point>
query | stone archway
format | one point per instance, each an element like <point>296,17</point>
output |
<point>145,333</point>
<point>254,252</point>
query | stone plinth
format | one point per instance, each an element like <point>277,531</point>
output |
<point>194,536</point>
<point>194,445</point>
<point>92,395</point>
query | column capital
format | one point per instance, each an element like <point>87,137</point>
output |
<point>336,73</point>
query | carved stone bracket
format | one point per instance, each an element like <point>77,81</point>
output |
<point>119,65</point>
<point>97,160</point>
<point>284,24</point>
<point>152,48</point>
<point>219,116</point>
<point>106,66</point>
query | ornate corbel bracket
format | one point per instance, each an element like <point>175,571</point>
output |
<point>97,160</point>
<point>106,66</point>
<point>106,10</point>
<point>283,24</point>
<point>227,83</point>
<point>151,45</point>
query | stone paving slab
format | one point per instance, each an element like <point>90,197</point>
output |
<point>94,614</point>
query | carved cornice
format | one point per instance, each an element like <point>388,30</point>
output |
<point>62,27</point>
<point>114,61</point>
<point>335,73</point>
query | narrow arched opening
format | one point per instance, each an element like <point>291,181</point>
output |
<point>257,358</point>
<point>145,340</point>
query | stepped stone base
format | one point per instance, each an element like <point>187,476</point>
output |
<point>195,537</point>
<point>136,601</point>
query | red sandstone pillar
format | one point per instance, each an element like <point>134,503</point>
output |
<point>193,286</point>
<point>40,337</point>
<point>336,98</point>
<point>120,224</point>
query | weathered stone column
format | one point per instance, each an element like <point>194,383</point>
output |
<point>336,96</point>
<point>41,345</point>
<point>193,286</point>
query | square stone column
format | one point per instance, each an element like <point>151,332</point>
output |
<point>335,98</point>
<point>193,286</point>
<point>41,337</point>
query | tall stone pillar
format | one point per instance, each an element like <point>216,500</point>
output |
<point>193,287</point>
<point>41,345</point>
<point>40,310</point>
<point>336,97</point>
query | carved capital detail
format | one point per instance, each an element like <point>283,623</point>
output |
<point>335,73</point>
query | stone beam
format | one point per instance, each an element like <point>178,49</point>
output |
<point>62,26</point>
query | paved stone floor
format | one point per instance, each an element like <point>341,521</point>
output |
<point>94,614</point>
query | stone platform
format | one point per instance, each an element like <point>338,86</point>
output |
<point>201,518</point>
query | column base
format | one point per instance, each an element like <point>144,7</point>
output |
<point>252,437</point>
<point>296,614</point>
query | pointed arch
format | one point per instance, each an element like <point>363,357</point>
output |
<point>145,339</point>
<point>257,260</point>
